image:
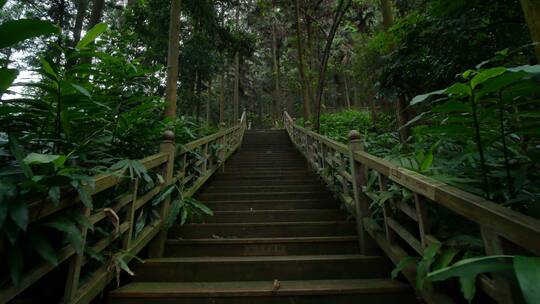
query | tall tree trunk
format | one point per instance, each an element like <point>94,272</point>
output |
<point>199,97</point>
<point>347,95</point>
<point>82,6</point>
<point>172,60</point>
<point>237,73</point>
<point>531,9</point>
<point>275,66</point>
<point>222,99</point>
<point>303,80</point>
<point>97,13</point>
<point>209,101</point>
<point>312,56</point>
<point>342,8</point>
<point>388,17</point>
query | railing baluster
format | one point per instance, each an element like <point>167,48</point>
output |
<point>75,266</point>
<point>422,214</point>
<point>359,174</point>
<point>128,237</point>
<point>387,213</point>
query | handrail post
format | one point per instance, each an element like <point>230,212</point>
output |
<point>157,246</point>
<point>359,174</point>
<point>222,149</point>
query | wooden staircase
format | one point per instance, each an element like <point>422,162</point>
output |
<point>277,236</point>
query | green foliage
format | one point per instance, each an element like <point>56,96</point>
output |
<point>526,269</point>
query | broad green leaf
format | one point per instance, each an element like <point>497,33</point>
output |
<point>174,210</point>
<point>498,83</point>
<point>47,67</point>
<point>84,196</point>
<point>485,75</point>
<point>94,254</point>
<point>473,266</point>
<point>531,69</point>
<point>202,207</point>
<point>91,35</point>
<point>163,195</point>
<point>42,246</point>
<point>427,162</point>
<point>13,32</point>
<point>424,265</point>
<point>528,274</point>
<point>7,76</point>
<point>18,212</point>
<point>403,263</point>
<point>468,287</point>
<point>2,3</point>
<point>81,90</point>
<point>459,89</point>
<point>15,263</point>
<point>71,231</point>
<point>421,98</point>
<point>451,106</point>
<point>184,217</point>
<point>38,159</point>
<point>445,258</point>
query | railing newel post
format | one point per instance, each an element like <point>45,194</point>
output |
<point>157,246</point>
<point>359,175</point>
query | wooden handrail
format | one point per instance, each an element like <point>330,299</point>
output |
<point>495,221</point>
<point>199,166</point>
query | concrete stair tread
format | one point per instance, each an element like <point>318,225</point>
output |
<point>270,259</point>
<point>308,240</point>
<point>256,288</point>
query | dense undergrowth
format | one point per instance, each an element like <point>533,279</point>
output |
<point>90,109</point>
<point>480,135</point>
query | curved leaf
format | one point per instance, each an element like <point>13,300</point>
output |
<point>91,35</point>
<point>13,32</point>
<point>528,274</point>
<point>7,76</point>
<point>473,266</point>
<point>485,75</point>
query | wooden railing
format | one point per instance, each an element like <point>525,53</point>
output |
<point>196,162</point>
<point>346,169</point>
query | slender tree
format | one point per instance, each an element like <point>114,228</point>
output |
<point>275,65</point>
<point>388,17</point>
<point>82,6</point>
<point>172,60</point>
<point>237,71</point>
<point>343,6</point>
<point>303,79</point>
<point>97,13</point>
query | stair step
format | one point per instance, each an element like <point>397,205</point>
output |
<point>260,268</point>
<point>277,175</point>
<point>380,291</point>
<point>268,182</point>
<point>251,230</point>
<point>272,204</point>
<point>247,196</point>
<point>264,188</point>
<point>297,215</point>
<point>263,246</point>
